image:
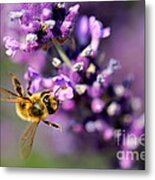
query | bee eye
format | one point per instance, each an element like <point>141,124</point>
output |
<point>46,99</point>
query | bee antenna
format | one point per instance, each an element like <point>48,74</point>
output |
<point>60,88</point>
<point>57,91</point>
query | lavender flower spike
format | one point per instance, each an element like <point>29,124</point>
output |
<point>40,24</point>
<point>97,31</point>
<point>68,22</point>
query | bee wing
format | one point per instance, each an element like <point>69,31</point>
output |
<point>9,96</point>
<point>17,85</point>
<point>7,92</point>
<point>26,140</point>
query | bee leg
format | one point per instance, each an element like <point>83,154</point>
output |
<point>53,125</point>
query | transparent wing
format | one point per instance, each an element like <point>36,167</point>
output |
<point>26,140</point>
<point>17,85</point>
<point>6,95</point>
<point>7,92</point>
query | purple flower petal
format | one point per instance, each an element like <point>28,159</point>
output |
<point>11,45</point>
<point>62,87</point>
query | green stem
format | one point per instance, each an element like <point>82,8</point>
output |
<point>62,53</point>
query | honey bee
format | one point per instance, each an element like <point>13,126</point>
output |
<point>34,108</point>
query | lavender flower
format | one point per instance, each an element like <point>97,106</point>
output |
<point>66,90</point>
<point>35,77</point>
<point>59,85</point>
<point>97,105</point>
<point>91,27</point>
<point>41,23</point>
<point>68,21</point>
<point>11,45</point>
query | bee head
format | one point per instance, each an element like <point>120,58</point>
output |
<point>51,103</point>
<point>37,109</point>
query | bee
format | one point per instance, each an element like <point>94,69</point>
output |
<point>34,108</point>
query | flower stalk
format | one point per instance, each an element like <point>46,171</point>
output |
<point>62,53</point>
